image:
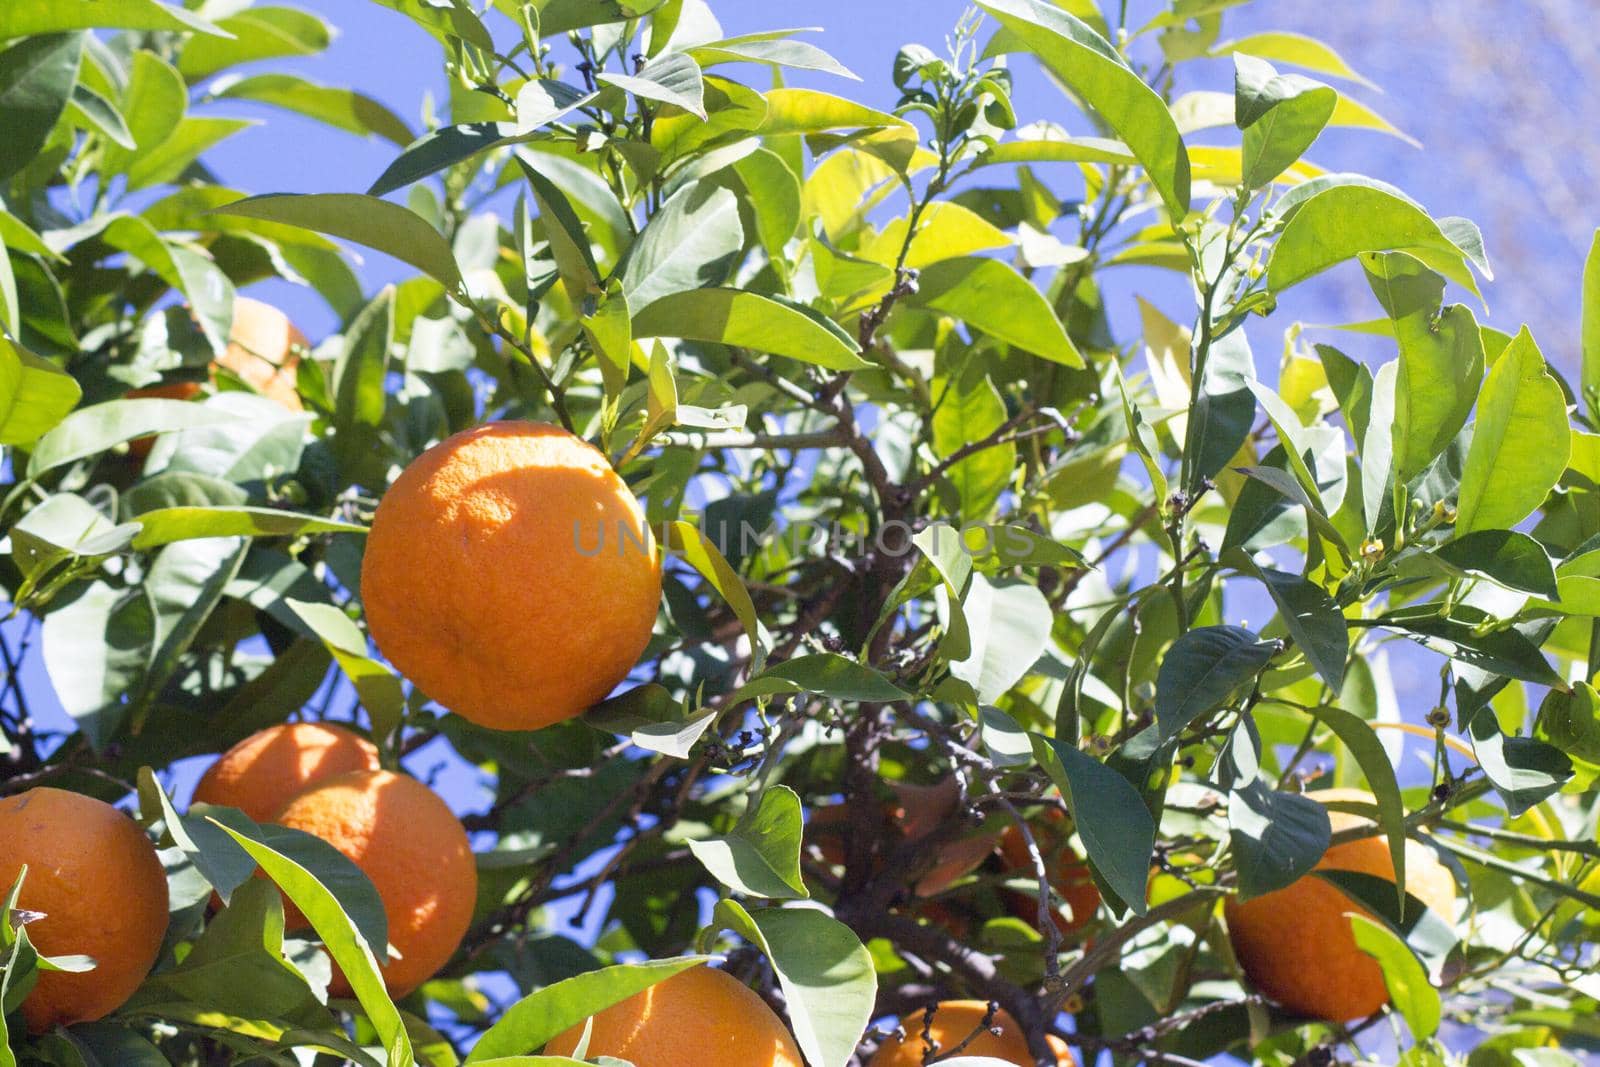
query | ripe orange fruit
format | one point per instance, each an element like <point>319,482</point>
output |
<point>264,351</point>
<point>1296,944</point>
<point>266,770</point>
<point>1067,872</point>
<point>417,855</point>
<point>701,1017</point>
<point>96,878</point>
<point>954,1021</point>
<point>511,575</point>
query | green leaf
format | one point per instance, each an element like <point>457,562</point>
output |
<point>366,220</point>
<point>163,526</point>
<point>168,161</point>
<point>535,1019</point>
<point>185,584</point>
<point>258,33</point>
<point>1357,735</point>
<point>1314,621</point>
<point>25,18</point>
<point>36,79</point>
<point>1281,116</point>
<point>990,295</point>
<point>349,949</point>
<point>1094,70</point>
<point>1202,669</point>
<point>448,21</point>
<point>1116,828</point>
<point>1523,770</point>
<point>92,430</point>
<point>1009,626</point>
<point>825,673</point>
<point>35,394</point>
<point>1520,444</point>
<point>749,320</point>
<point>1277,837</point>
<point>1571,721</point>
<point>773,193</point>
<point>968,409</point>
<point>1505,652</point>
<point>196,276</point>
<point>1403,975</point>
<point>377,687</point>
<point>360,400</point>
<point>1432,936</point>
<point>760,856</point>
<point>94,113</point>
<point>690,243</point>
<point>1589,373</point>
<point>670,79</point>
<point>827,976</point>
<point>61,526</point>
<point>1505,557</point>
<point>1441,361</point>
<point>1046,143</point>
<point>343,109</point>
<point>1342,221</point>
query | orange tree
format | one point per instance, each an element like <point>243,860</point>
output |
<point>940,704</point>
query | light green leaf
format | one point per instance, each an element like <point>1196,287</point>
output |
<point>35,394</point>
<point>366,220</point>
<point>569,245</point>
<point>749,320</point>
<point>258,33</point>
<point>944,231</point>
<point>827,976</point>
<point>1342,221</point>
<point>1096,72</point>
<point>760,856</point>
<point>1281,115</point>
<point>1520,444</point>
<point>96,647</point>
<point>703,555</point>
<point>809,111</point>
<point>690,243</point>
<point>95,429</point>
<point>1590,369</point>
<point>1295,49</point>
<point>990,295</point>
<point>344,942</point>
<point>674,78</point>
<point>773,49</point>
<point>166,525</point>
<point>168,161</point>
<point>25,18</point>
<point>826,673</point>
<point>1009,627</point>
<point>535,1019</point>
<point>1403,975</point>
<point>1441,360</point>
<point>969,409</point>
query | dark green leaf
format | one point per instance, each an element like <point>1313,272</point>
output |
<point>1314,621</point>
<point>1523,770</point>
<point>1511,559</point>
<point>826,673</point>
<point>670,79</point>
<point>1280,114</point>
<point>1277,837</point>
<point>36,79</point>
<point>1202,669</point>
<point>342,109</point>
<point>1117,830</point>
<point>760,857</point>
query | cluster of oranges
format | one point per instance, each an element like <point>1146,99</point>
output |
<point>575,596</point>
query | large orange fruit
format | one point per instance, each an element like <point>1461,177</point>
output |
<point>417,855</point>
<point>1296,944</point>
<point>701,1017</point>
<point>955,1021</point>
<point>511,575</point>
<point>266,770</point>
<point>1068,874</point>
<point>97,880</point>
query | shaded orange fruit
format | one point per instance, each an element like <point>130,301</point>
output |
<point>511,575</point>
<point>417,855</point>
<point>96,878</point>
<point>701,1017</point>
<point>266,770</point>
<point>1067,872</point>
<point>916,812</point>
<point>954,1021</point>
<point>264,351</point>
<point>1296,944</point>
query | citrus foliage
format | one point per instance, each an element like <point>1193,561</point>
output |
<point>945,553</point>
